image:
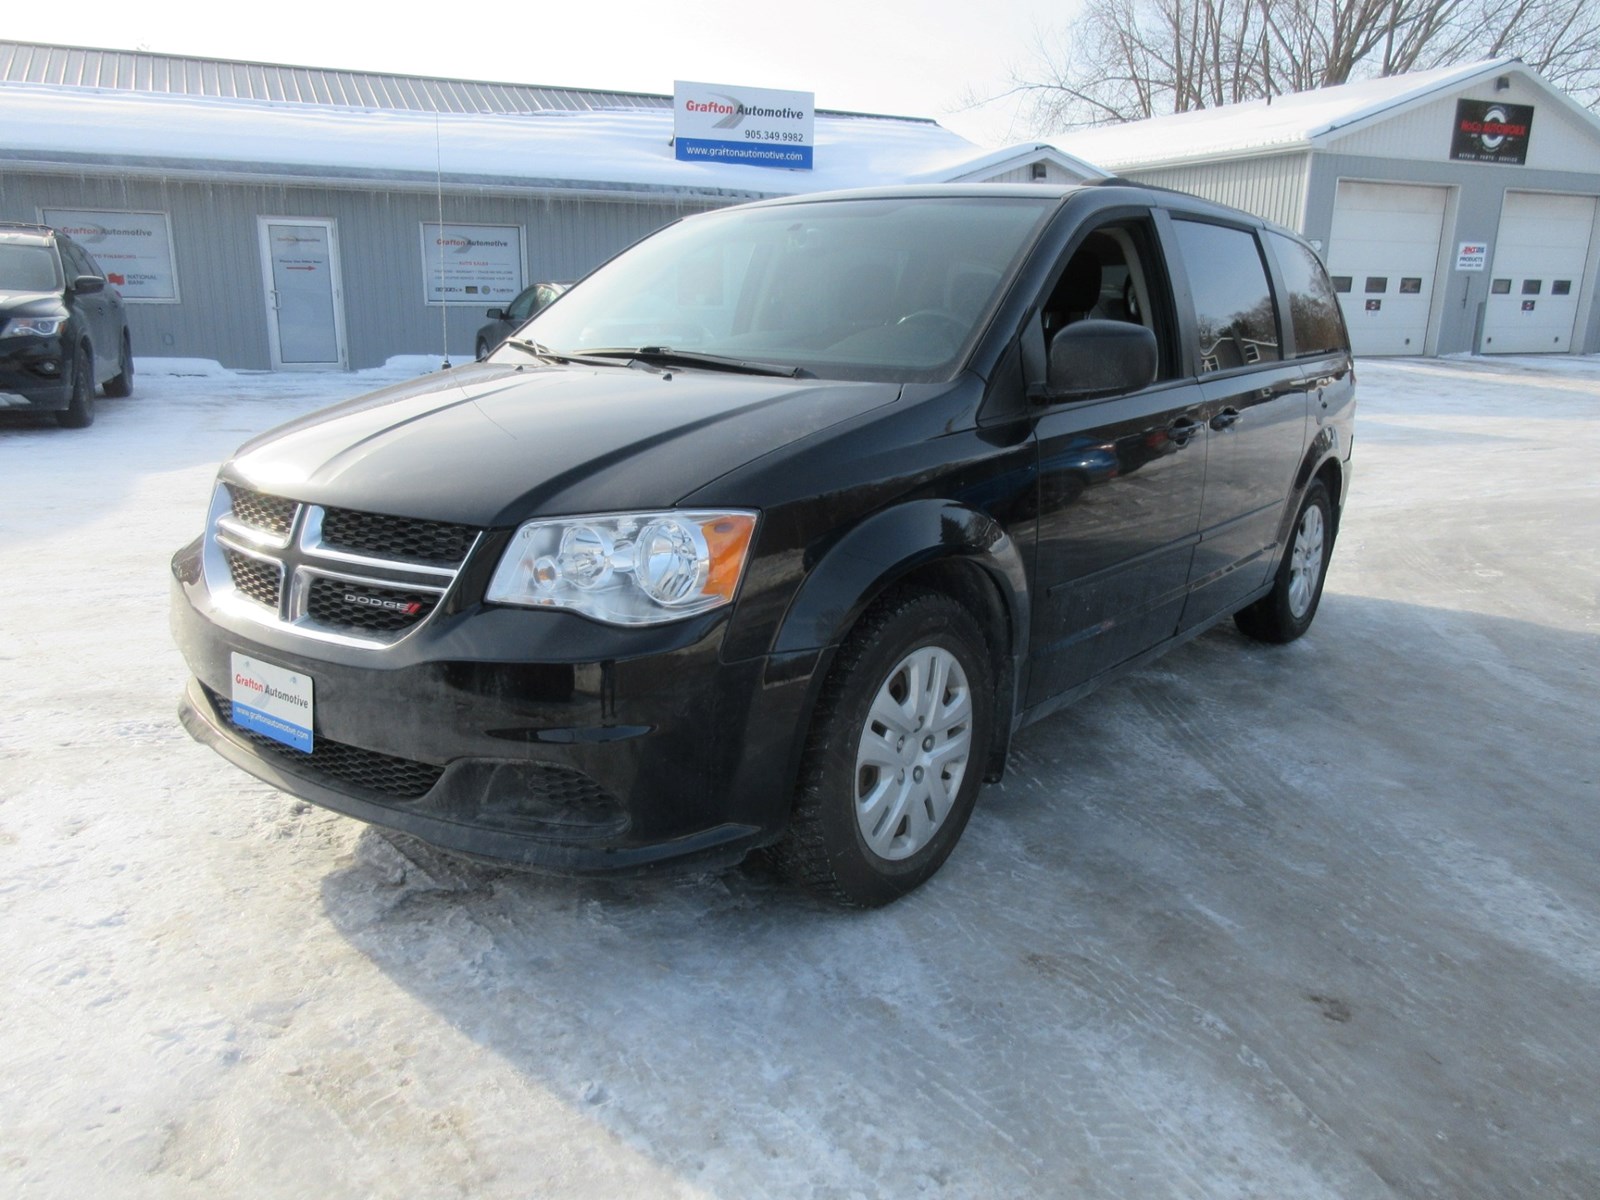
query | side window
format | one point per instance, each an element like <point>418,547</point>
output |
<point>1313,304</point>
<point>522,307</point>
<point>1238,325</point>
<point>75,261</point>
<point>1115,274</point>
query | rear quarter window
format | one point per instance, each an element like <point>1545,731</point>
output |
<point>1313,302</point>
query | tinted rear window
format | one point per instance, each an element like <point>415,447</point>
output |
<point>1313,305</point>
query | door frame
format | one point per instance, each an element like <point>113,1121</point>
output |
<point>274,336</point>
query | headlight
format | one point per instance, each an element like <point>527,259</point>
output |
<point>629,569</point>
<point>33,326</point>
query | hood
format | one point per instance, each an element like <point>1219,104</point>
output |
<point>30,304</point>
<point>494,444</point>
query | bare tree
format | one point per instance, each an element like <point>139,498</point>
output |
<point>1124,60</point>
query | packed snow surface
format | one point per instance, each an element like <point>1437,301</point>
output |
<point>1312,921</point>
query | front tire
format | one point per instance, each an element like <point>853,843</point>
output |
<point>121,384</point>
<point>483,350</point>
<point>895,755</point>
<point>79,412</point>
<point>1285,613</point>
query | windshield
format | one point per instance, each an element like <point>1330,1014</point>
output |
<point>845,289</point>
<point>26,268</point>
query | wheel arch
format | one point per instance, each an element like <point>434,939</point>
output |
<point>933,545</point>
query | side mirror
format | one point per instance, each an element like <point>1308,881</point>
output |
<point>497,314</point>
<point>1100,358</point>
<point>88,285</point>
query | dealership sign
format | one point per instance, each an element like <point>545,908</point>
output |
<point>134,249</point>
<point>1490,132</point>
<point>471,264</point>
<point>756,127</point>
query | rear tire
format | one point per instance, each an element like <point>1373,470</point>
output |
<point>121,384</point>
<point>1285,613</point>
<point>895,755</point>
<point>79,412</point>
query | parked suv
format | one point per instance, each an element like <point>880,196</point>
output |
<point>776,529</point>
<point>62,330</point>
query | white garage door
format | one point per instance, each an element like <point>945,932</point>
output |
<point>1383,256</point>
<point>1539,261</point>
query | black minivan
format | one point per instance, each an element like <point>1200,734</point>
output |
<point>775,529</point>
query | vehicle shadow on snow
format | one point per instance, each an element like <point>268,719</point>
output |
<point>1246,871</point>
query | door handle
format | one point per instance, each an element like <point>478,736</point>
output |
<point>1225,419</point>
<point>273,292</point>
<point>1181,430</point>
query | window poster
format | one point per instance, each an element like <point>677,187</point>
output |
<point>471,264</point>
<point>134,249</point>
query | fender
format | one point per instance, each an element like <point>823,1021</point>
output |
<point>886,547</point>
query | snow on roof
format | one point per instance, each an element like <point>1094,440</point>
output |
<point>987,166</point>
<point>1258,126</point>
<point>623,149</point>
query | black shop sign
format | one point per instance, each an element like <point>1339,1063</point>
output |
<point>1490,132</point>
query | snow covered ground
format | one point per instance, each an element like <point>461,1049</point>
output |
<point>1316,921</point>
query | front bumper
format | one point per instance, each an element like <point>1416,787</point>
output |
<point>527,736</point>
<point>33,375</point>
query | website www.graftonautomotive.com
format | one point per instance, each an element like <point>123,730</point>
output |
<point>756,153</point>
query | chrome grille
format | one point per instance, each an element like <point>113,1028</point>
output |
<point>330,573</point>
<point>384,536</point>
<point>256,578</point>
<point>273,514</point>
<point>339,603</point>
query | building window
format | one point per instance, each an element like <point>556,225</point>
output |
<point>1341,284</point>
<point>1561,287</point>
<point>1411,285</point>
<point>1377,284</point>
<point>1531,287</point>
<point>1501,287</point>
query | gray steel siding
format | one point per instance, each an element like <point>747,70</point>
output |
<point>1053,173</point>
<point>1558,141</point>
<point>1479,189</point>
<point>1271,187</point>
<point>215,238</point>
<point>142,71</point>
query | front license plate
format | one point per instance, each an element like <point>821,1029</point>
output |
<point>272,701</point>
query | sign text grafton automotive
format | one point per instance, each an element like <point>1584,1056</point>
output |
<point>1491,132</point>
<point>134,249</point>
<point>757,127</point>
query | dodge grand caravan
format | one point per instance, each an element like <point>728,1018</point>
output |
<point>775,529</point>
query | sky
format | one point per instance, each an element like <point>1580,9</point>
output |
<point>902,57</point>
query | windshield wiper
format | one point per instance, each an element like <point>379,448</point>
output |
<point>540,350</point>
<point>666,356</point>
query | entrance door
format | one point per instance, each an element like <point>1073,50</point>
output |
<point>1383,254</point>
<point>1539,262</point>
<point>305,317</point>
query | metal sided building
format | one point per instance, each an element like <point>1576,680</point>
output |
<point>1458,210</point>
<point>275,217</point>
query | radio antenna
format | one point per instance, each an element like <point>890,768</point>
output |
<point>438,175</point>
